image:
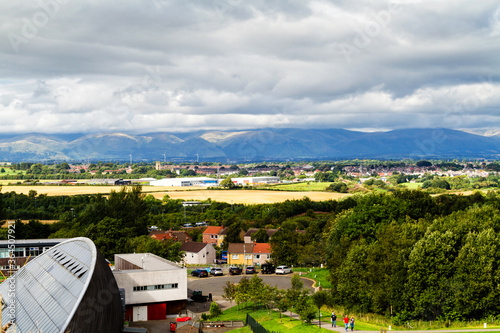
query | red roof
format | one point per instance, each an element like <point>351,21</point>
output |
<point>262,248</point>
<point>213,230</point>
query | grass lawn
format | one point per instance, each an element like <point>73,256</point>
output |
<point>412,186</point>
<point>9,171</point>
<point>320,275</point>
<point>271,322</point>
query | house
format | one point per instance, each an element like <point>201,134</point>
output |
<point>154,287</point>
<point>247,238</point>
<point>214,235</point>
<point>261,253</point>
<point>178,235</point>
<point>198,253</point>
<point>240,254</point>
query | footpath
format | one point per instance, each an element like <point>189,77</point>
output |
<point>341,328</point>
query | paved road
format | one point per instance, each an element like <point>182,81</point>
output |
<point>215,285</point>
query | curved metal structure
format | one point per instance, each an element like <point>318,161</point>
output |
<point>69,288</point>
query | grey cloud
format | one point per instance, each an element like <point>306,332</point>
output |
<point>236,64</point>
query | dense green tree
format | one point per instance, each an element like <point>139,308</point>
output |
<point>227,183</point>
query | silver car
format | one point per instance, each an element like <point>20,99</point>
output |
<point>283,270</point>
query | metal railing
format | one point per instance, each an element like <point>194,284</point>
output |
<point>255,326</point>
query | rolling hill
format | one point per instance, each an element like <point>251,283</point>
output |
<point>249,145</point>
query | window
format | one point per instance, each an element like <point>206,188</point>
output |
<point>211,236</point>
<point>34,251</point>
<point>248,256</point>
<point>235,256</point>
<point>157,287</point>
<point>268,256</point>
<point>257,256</point>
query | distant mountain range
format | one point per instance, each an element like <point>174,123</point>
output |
<point>250,145</point>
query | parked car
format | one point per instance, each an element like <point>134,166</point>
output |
<point>267,268</point>
<point>250,270</point>
<point>216,271</point>
<point>199,273</point>
<point>234,270</point>
<point>283,270</point>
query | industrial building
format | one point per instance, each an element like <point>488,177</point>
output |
<point>191,181</point>
<point>256,180</point>
<point>68,288</point>
<point>23,251</point>
<point>154,287</point>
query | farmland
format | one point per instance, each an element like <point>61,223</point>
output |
<point>230,196</point>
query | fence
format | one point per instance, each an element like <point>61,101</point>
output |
<point>255,326</point>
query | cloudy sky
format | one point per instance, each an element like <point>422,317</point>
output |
<point>180,65</point>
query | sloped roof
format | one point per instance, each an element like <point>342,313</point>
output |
<point>240,248</point>
<point>213,230</point>
<point>251,231</point>
<point>194,247</point>
<point>179,235</point>
<point>262,248</point>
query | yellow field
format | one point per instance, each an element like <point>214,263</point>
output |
<point>193,193</point>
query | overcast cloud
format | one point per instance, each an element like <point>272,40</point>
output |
<point>178,65</point>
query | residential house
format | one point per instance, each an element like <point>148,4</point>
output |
<point>214,235</point>
<point>198,253</point>
<point>178,235</point>
<point>247,238</point>
<point>211,234</point>
<point>261,253</point>
<point>240,254</point>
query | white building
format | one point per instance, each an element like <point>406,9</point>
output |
<point>256,180</point>
<point>189,181</point>
<point>154,287</point>
<point>198,253</point>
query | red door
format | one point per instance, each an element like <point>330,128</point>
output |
<point>157,311</point>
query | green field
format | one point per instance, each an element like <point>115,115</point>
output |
<point>320,275</point>
<point>412,186</point>
<point>304,186</point>
<point>270,321</point>
<point>9,171</point>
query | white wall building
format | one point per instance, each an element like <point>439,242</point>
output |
<point>198,253</point>
<point>154,287</point>
<point>188,181</point>
<point>256,180</point>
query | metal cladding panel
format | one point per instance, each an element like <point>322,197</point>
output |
<point>49,288</point>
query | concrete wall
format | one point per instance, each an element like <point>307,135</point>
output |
<point>201,257</point>
<point>130,279</point>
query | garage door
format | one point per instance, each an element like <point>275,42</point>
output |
<point>140,313</point>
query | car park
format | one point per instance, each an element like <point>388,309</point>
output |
<point>283,270</point>
<point>199,273</point>
<point>234,270</point>
<point>250,270</point>
<point>216,271</point>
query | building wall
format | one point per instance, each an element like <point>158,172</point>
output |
<point>210,239</point>
<point>220,239</point>
<point>201,257</point>
<point>264,257</point>
<point>232,260</point>
<point>130,279</point>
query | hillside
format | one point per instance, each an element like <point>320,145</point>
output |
<point>250,145</point>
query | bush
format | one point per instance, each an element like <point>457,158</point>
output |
<point>215,310</point>
<point>337,187</point>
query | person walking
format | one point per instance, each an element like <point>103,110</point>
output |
<point>346,322</point>
<point>334,320</point>
<point>352,323</point>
